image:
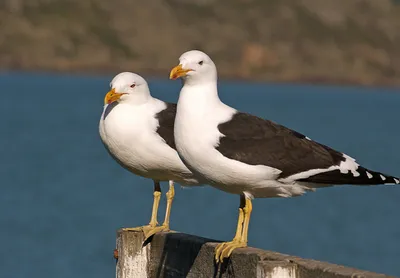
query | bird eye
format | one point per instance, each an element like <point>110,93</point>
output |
<point>133,85</point>
<point>200,63</point>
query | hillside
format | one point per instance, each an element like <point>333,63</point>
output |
<point>335,41</point>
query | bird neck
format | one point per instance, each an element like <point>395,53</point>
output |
<point>138,98</point>
<point>199,96</point>
<point>200,79</point>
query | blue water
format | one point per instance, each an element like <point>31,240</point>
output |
<point>62,197</point>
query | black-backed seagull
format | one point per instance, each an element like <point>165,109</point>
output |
<point>243,154</point>
<point>137,131</point>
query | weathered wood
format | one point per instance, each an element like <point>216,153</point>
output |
<point>132,257</point>
<point>182,255</point>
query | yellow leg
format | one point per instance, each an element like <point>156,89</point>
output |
<point>165,226</point>
<point>224,250</point>
<point>156,202</point>
<point>170,197</point>
<point>220,247</point>
<point>247,212</point>
<point>153,221</point>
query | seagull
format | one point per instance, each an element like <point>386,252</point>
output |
<point>246,155</point>
<point>137,131</point>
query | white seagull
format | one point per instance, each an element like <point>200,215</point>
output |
<point>243,154</point>
<point>137,131</point>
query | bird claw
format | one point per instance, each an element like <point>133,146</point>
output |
<point>225,249</point>
<point>135,229</point>
<point>150,231</point>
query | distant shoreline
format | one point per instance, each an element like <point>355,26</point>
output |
<point>228,78</point>
<point>353,43</point>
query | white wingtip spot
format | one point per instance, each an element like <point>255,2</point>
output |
<point>348,157</point>
<point>349,164</point>
<point>396,181</point>
<point>343,171</point>
<point>369,175</point>
<point>355,173</point>
<point>383,177</point>
<point>308,138</point>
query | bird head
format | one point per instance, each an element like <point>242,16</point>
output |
<point>194,67</point>
<point>127,86</point>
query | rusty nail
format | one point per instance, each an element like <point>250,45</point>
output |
<point>116,254</point>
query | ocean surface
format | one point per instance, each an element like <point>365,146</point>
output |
<point>63,198</point>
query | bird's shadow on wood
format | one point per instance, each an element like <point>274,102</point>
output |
<point>179,254</point>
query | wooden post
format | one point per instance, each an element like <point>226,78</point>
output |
<point>182,255</point>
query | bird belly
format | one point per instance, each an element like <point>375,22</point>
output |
<point>144,154</point>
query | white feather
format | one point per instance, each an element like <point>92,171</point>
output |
<point>199,113</point>
<point>129,133</point>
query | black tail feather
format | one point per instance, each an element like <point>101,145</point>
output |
<point>365,177</point>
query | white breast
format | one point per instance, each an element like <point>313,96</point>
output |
<point>197,135</point>
<point>129,133</point>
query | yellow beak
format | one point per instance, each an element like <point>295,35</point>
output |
<point>178,71</point>
<point>112,96</point>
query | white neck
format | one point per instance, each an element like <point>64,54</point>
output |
<point>198,98</point>
<point>137,98</point>
<point>201,79</point>
<point>198,115</point>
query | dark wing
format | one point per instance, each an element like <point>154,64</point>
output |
<point>256,141</point>
<point>166,119</point>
